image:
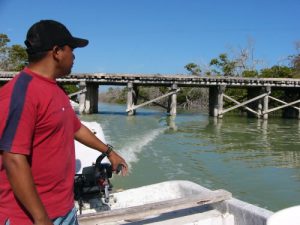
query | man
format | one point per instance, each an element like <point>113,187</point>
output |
<point>37,131</point>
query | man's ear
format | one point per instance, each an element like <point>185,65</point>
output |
<point>56,52</point>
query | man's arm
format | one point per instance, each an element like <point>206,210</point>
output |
<point>19,175</point>
<point>86,137</point>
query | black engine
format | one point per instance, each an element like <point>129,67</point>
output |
<point>93,182</point>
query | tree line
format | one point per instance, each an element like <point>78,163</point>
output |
<point>242,63</point>
<point>237,63</point>
<point>12,58</point>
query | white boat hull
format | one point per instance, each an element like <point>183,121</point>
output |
<point>175,202</point>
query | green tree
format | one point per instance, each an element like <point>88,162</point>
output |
<point>70,88</point>
<point>240,62</point>
<point>277,72</point>
<point>249,73</point>
<point>296,66</point>
<point>223,65</point>
<point>17,58</point>
<point>3,51</point>
<point>193,68</point>
<point>295,61</point>
<point>12,58</point>
<point>3,40</point>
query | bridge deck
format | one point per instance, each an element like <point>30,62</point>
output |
<point>167,80</point>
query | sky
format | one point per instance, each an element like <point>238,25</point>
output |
<point>162,36</point>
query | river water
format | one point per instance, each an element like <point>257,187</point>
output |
<point>257,161</point>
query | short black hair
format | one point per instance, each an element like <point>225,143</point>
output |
<point>35,57</point>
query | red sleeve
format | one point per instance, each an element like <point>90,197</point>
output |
<point>19,126</point>
<point>24,135</point>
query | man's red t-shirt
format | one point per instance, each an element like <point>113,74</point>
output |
<point>37,120</point>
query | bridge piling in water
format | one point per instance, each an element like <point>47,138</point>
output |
<point>88,101</point>
<point>82,97</point>
<point>172,103</point>
<point>265,107</point>
<point>216,95</point>
<point>132,96</point>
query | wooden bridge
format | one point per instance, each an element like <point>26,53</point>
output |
<point>259,91</point>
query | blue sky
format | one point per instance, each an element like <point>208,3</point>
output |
<point>161,36</point>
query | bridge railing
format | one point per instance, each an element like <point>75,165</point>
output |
<point>167,80</point>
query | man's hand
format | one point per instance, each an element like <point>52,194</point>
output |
<point>116,160</point>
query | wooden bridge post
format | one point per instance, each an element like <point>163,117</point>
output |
<point>212,101</point>
<point>88,101</point>
<point>82,97</point>
<point>216,100</point>
<point>172,103</point>
<point>132,96</point>
<point>92,97</point>
<point>221,90</point>
<point>266,89</point>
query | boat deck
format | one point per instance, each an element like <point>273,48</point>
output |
<point>175,202</point>
<point>188,217</point>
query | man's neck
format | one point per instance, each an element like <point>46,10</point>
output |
<point>42,70</point>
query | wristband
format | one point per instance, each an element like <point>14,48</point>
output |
<point>109,150</point>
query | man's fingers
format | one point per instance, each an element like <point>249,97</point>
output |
<point>119,168</point>
<point>124,169</point>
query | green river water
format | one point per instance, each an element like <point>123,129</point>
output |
<point>257,161</point>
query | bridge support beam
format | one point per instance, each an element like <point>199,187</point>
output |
<point>265,106</point>
<point>172,103</point>
<point>88,101</point>
<point>132,96</point>
<point>216,100</point>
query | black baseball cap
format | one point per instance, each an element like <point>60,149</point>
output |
<point>45,34</point>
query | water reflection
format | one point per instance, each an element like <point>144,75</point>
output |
<point>171,122</point>
<point>262,127</point>
<point>260,143</point>
<point>246,155</point>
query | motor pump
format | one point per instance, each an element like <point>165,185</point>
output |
<point>94,182</point>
